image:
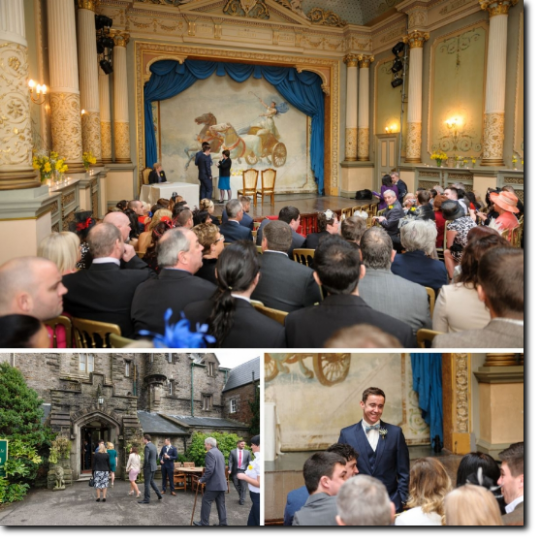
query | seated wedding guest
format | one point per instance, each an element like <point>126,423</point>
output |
<point>390,221</point>
<point>505,203</point>
<point>122,205</point>
<point>211,240</point>
<point>134,226</point>
<point>362,336</point>
<point>121,221</point>
<point>180,257</point>
<point>338,270</point>
<point>500,287</point>
<point>246,220</point>
<point>353,228</point>
<point>208,205</point>
<point>387,292</point>
<point>284,285</point>
<point>23,331</point>
<point>363,500</point>
<point>428,486</point>
<point>327,224</point>
<point>145,239</point>
<point>388,185</point>
<point>456,234</point>
<point>440,221</point>
<point>424,210</point>
<point>104,292</point>
<point>457,307</point>
<point>454,193</point>
<point>474,205</point>
<point>511,481</point>
<point>290,215</point>
<point>471,505</point>
<point>201,217</point>
<point>174,200</point>
<point>151,255</point>
<point>233,321</point>
<point>519,204</point>
<point>488,212</point>
<point>31,286</point>
<point>64,249</point>
<point>138,207</point>
<point>324,474</point>
<point>416,264</point>
<point>232,229</point>
<point>157,175</point>
<point>81,226</point>
<point>409,205</point>
<point>184,219</point>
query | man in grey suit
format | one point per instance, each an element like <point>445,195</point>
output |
<point>386,292</point>
<point>216,484</point>
<point>392,215</point>
<point>500,287</point>
<point>239,462</point>
<point>149,469</point>
<point>324,474</point>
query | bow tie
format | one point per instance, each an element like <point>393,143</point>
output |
<point>370,427</point>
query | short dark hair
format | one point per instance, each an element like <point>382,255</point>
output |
<point>18,330</point>
<point>387,180</point>
<point>344,450</point>
<point>288,214</point>
<point>513,457</point>
<point>205,146</point>
<point>372,391</point>
<point>453,189</point>
<point>500,273</point>
<point>256,440</point>
<point>240,440</point>
<point>147,437</point>
<point>318,465</point>
<point>178,208</point>
<point>226,152</point>
<point>353,228</point>
<point>183,217</point>
<point>423,197</point>
<point>278,235</point>
<point>470,464</point>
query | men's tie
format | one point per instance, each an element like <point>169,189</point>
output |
<point>370,427</point>
<point>240,459</point>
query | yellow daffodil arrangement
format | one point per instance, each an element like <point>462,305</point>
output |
<point>514,159</point>
<point>439,156</point>
<point>47,164</point>
<point>88,160</point>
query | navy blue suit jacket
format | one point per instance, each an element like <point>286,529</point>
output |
<point>173,456</point>
<point>417,267</point>
<point>233,231</point>
<point>391,465</point>
<point>295,500</point>
<point>204,163</point>
<point>246,221</point>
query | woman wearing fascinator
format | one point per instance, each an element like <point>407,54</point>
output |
<point>327,224</point>
<point>82,225</point>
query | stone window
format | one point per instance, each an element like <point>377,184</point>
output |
<point>170,387</point>
<point>128,368</point>
<point>232,406</point>
<point>211,368</point>
<point>207,402</point>
<point>86,363</point>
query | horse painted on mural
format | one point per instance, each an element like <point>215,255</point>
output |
<point>248,147</point>
<point>205,135</point>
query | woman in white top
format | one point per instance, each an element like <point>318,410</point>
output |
<point>458,307</point>
<point>133,468</point>
<point>428,486</point>
<point>253,477</point>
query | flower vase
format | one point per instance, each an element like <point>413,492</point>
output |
<point>439,162</point>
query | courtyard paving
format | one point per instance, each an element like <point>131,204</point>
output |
<point>77,506</point>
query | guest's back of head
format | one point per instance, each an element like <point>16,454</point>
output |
<point>233,207</point>
<point>278,236</point>
<point>22,331</point>
<point>353,228</point>
<point>470,464</point>
<point>471,505</point>
<point>61,248</point>
<point>288,214</point>
<point>362,336</point>
<point>419,235</point>
<point>104,241</point>
<point>376,246</point>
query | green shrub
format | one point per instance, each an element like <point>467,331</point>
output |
<point>225,443</point>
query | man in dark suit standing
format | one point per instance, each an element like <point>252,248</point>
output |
<point>167,456</point>
<point>238,462</point>
<point>392,215</point>
<point>232,230</point>
<point>381,447</point>
<point>216,484</point>
<point>149,470</point>
<point>284,285</point>
<point>401,186</point>
<point>204,163</point>
<point>290,215</point>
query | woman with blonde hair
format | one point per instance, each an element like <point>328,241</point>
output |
<point>133,468</point>
<point>428,486</point>
<point>64,249</point>
<point>208,205</point>
<point>112,460</point>
<point>212,241</point>
<point>471,505</point>
<point>100,474</point>
<point>145,238</point>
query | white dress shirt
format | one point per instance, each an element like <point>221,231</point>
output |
<point>372,436</point>
<point>106,259</point>
<point>510,507</point>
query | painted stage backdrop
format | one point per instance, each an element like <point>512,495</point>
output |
<point>251,119</point>
<point>316,395</point>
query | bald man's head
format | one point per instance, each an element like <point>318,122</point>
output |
<point>121,221</point>
<point>31,286</point>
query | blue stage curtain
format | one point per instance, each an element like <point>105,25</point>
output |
<point>302,90</point>
<point>427,382</point>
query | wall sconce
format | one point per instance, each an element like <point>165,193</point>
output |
<point>40,91</point>
<point>83,111</point>
<point>101,400</point>
<point>391,129</point>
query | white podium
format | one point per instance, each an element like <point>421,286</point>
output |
<point>150,193</point>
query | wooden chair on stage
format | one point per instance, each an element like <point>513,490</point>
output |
<point>424,336</point>
<point>86,332</point>
<point>278,316</point>
<point>304,256</point>
<point>145,174</point>
<point>117,341</point>
<point>249,184</point>
<point>53,323</point>
<point>268,182</point>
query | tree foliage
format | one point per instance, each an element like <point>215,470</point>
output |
<point>255,407</point>
<point>225,443</point>
<point>20,424</point>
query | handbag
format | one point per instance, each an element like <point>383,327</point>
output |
<point>91,482</point>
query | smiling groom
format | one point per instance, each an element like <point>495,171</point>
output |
<point>382,451</point>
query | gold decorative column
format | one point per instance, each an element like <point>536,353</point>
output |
<point>105,116</point>
<point>121,112</point>
<point>15,125</point>
<point>496,81</point>
<point>65,97</point>
<point>351,111</point>
<point>363,108</point>
<point>88,78</point>
<point>416,41</point>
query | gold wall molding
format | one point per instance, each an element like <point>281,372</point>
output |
<point>91,133</point>
<point>90,5</point>
<point>363,144</point>
<point>247,8</point>
<point>493,139</point>
<point>497,7</point>
<point>365,60</point>
<point>106,142</point>
<point>350,60</point>
<point>121,142</point>
<point>148,73</point>
<point>351,137</point>
<point>414,143</point>
<point>416,39</point>
<point>320,16</point>
<point>121,39</point>
<point>144,52</point>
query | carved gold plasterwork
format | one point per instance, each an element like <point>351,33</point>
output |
<point>121,142</point>
<point>417,18</point>
<point>365,60</point>
<point>320,16</point>
<point>106,141</point>
<point>461,393</point>
<point>497,7</point>
<point>121,39</point>
<point>148,73</point>
<point>247,8</point>
<point>363,144</point>
<point>91,133</point>
<point>416,39</point>
<point>66,126</point>
<point>493,139</point>
<point>88,4</point>
<point>414,142</point>
<point>15,122</point>
<point>452,6</point>
<point>350,60</point>
<point>351,136</point>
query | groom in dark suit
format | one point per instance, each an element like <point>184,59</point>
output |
<point>381,447</point>
<point>167,456</point>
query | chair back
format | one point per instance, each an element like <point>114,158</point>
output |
<point>517,234</point>
<point>188,464</point>
<point>304,256</point>
<point>424,336</point>
<point>249,181</point>
<point>117,341</point>
<point>141,254</point>
<point>178,465</point>
<point>268,178</point>
<point>372,209</point>
<point>445,244</point>
<point>278,316</point>
<point>256,225</point>
<point>346,213</point>
<point>53,323</point>
<point>256,303</point>
<point>259,248</point>
<point>145,174</point>
<point>86,332</point>
<point>431,296</point>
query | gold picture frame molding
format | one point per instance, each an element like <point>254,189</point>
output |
<point>147,53</point>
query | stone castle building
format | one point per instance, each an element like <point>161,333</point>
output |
<point>118,397</point>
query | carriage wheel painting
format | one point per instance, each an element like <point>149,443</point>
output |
<point>331,369</point>
<point>279,155</point>
<point>251,158</point>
